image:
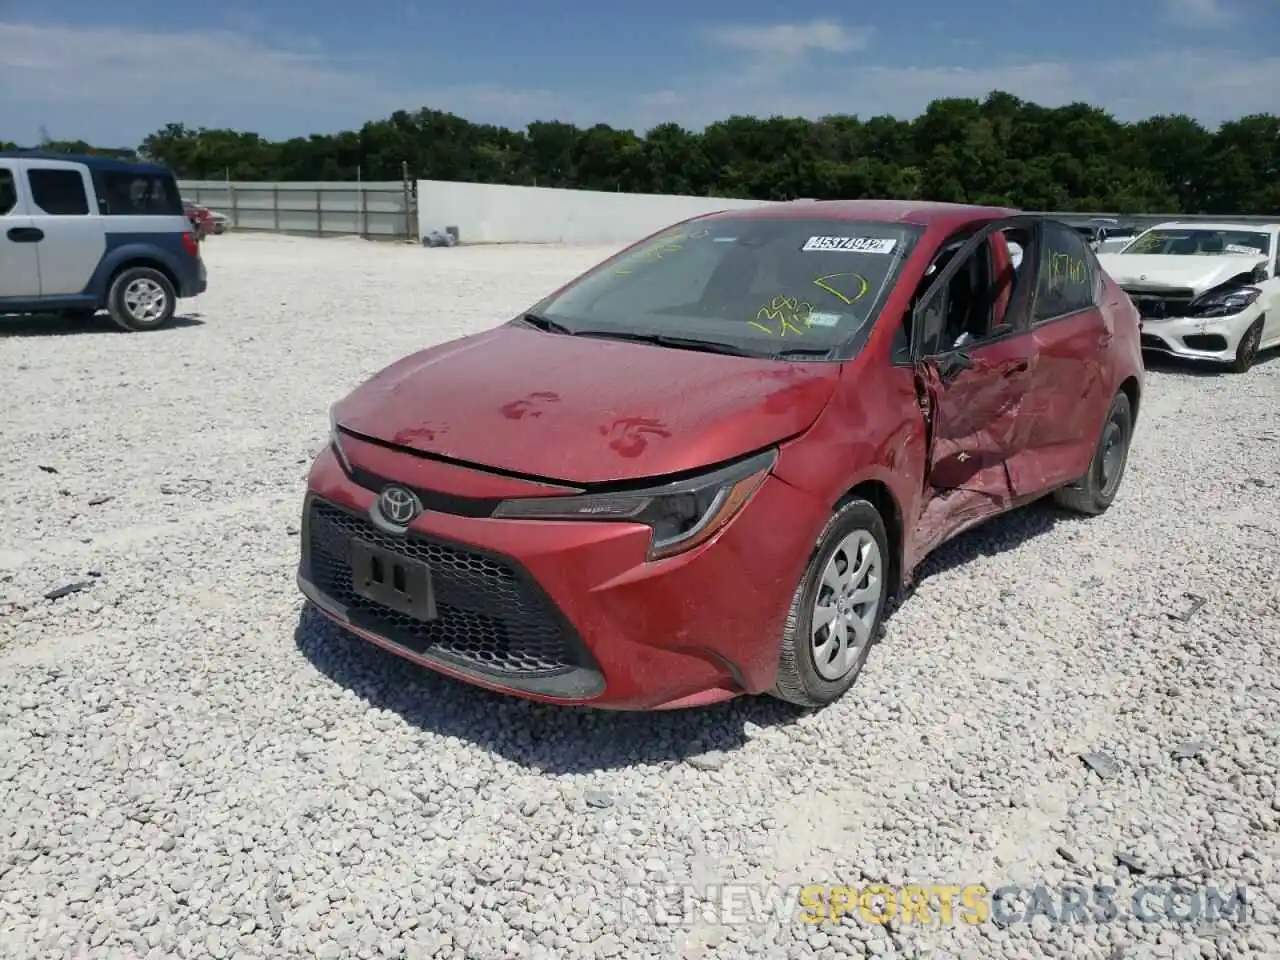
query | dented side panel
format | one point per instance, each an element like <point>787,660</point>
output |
<point>1068,398</point>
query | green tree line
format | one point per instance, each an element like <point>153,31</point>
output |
<point>999,150</point>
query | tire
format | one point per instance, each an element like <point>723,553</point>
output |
<point>1247,349</point>
<point>806,677</point>
<point>141,299</point>
<point>1093,493</point>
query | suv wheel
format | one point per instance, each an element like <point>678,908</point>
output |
<point>141,298</point>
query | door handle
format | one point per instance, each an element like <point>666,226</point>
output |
<point>26,234</point>
<point>1022,366</point>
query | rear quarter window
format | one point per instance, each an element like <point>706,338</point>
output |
<point>1067,279</point>
<point>138,194</point>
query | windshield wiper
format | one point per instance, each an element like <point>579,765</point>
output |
<point>666,340</point>
<point>539,322</point>
<point>798,352</point>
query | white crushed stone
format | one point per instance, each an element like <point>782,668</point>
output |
<point>189,770</point>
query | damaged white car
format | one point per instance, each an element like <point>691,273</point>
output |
<point>1206,291</point>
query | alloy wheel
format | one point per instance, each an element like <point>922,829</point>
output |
<point>846,603</point>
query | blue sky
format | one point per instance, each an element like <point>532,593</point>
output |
<point>112,72</point>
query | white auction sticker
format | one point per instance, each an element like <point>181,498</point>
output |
<point>850,244</point>
<point>1240,248</point>
<point>817,319</point>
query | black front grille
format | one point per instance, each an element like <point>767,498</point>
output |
<point>1153,342</point>
<point>1162,305</point>
<point>491,617</point>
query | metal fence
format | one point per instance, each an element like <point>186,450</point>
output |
<point>376,210</point>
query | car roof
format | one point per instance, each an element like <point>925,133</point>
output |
<point>918,212</point>
<point>93,162</point>
<point>1215,225</point>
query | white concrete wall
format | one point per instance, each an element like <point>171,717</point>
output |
<point>496,213</point>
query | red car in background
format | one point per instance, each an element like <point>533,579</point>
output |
<point>704,467</point>
<point>203,220</point>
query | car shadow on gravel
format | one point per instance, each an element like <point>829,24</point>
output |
<point>998,535</point>
<point>534,735</point>
<point>57,325</point>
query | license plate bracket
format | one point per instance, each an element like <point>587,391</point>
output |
<point>393,580</point>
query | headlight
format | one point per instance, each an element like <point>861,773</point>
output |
<point>335,440</point>
<point>681,514</point>
<point>1224,303</point>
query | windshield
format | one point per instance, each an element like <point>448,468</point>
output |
<point>761,286</point>
<point>1202,242</point>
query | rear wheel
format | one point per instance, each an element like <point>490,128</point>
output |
<point>1247,351</point>
<point>1093,493</point>
<point>141,298</point>
<point>838,608</point>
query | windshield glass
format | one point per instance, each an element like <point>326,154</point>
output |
<point>760,285</point>
<point>1205,242</point>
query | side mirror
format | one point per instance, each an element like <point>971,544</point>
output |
<point>952,364</point>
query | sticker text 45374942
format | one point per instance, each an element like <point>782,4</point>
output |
<point>850,244</point>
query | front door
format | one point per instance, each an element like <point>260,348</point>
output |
<point>64,207</point>
<point>975,363</point>
<point>19,261</point>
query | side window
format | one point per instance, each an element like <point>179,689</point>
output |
<point>59,193</point>
<point>1066,282</point>
<point>133,194</point>
<point>8,192</point>
<point>961,315</point>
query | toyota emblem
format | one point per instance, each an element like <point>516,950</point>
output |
<point>399,505</point>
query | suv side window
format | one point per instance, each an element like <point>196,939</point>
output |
<point>8,192</point>
<point>137,194</point>
<point>58,192</point>
<point>1066,282</point>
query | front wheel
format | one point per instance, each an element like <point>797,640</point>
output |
<point>1247,351</point>
<point>141,298</point>
<point>1093,493</point>
<point>838,608</point>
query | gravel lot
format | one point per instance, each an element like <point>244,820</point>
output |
<point>192,766</point>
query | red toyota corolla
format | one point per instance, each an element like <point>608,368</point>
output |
<point>703,467</point>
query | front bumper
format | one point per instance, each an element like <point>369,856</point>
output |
<point>572,612</point>
<point>1196,338</point>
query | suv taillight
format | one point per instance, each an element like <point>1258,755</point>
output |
<point>190,244</point>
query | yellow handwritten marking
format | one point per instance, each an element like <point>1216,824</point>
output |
<point>1064,268</point>
<point>656,252</point>
<point>699,234</point>
<point>790,313</point>
<point>824,283</point>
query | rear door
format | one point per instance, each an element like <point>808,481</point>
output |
<point>1069,393</point>
<point>64,206</point>
<point>974,360</point>
<point>19,261</point>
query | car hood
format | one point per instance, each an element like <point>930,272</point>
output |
<point>584,410</point>
<point>1138,270</point>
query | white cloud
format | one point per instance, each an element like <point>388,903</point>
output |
<point>1207,84</point>
<point>790,39</point>
<point>1198,13</point>
<point>114,85</point>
